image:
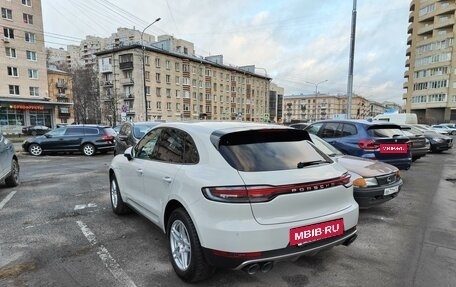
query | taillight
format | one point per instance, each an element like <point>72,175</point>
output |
<point>264,193</point>
<point>409,145</point>
<point>107,138</point>
<point>368,145</point>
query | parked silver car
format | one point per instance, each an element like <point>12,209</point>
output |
<point>9,164</point>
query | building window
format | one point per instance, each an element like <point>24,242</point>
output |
<point>157,62</point>
<point>177,66</point>
<point>12,71</point>
<point>168,106</point>
<point>186,81</point>
<point>159,106</point>
<point>168,79</point>
<point>27,3</point>
<point>168,93</point>
<point>30,37</point>
<point>185,67</point>
<point>146,60</point>
<point>147,75</point>
<point>32,74</point>
<point>8,33</point>
<point>10,52</point>
<point>168,64</point>
<point>186,94</point>
<point>34,91</point>
<point>177,80</point>
<point>177,94</point>
<point>31,55</point>
<point>147,90</point>
<point>157,77</point>
<point>28,19</point>
<point>158,92</point>
<point>13,90</point>
<point>7,13</point>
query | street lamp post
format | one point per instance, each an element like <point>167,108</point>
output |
<point>316,94</point>
<point>267,94</point>
<point>144,66</point>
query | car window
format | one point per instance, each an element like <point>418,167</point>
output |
<point>170,146</point>
<point>314,128</point>
<point>384,132</point>
<point>330,130</point>
<point>349,130</point>
<point>145,148</point>
<point>110,132</point>
<point>141,129</point>
<point>57,132</point>
<point>269,150</point>
<point>91,131</point>
<point>191,155</point>
<point>74,131</point>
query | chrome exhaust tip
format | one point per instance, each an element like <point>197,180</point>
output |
<point>267,266</point>
<point>252,269</point>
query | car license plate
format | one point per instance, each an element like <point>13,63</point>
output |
<point>393,148</point>
<point>316,232</point>
<point>391,190</point>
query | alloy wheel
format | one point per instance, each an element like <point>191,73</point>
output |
<point>180,245</point>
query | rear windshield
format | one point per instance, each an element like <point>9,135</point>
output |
<point>385,131</point>
<point>110,132</point>
<point>269,150</point>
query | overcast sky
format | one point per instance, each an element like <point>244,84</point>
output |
<point>295,41</point>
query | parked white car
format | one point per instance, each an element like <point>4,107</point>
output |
<point>429,128</point>
<point>9,164</point>
<point>451,131</point>
<point>235,195</point>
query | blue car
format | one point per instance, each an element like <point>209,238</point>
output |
<point>378,140</point>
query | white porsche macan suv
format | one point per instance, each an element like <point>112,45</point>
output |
<point>235,195</point>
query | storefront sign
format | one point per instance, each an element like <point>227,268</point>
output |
<point>27,107</point>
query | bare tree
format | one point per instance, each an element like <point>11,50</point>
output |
<point>86,96</point>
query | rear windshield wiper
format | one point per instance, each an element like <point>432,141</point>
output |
<point>315,162</point>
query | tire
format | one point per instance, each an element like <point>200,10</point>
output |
<point>35,149</point>
<point>189,262</point>
<point>118,205</point>
<point>13,179</point>
<point>88,149</point>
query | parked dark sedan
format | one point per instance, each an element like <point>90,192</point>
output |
<point>35,130</point>
<point>418,147</point>
<point>87,139</point>
<point>438,141</point>
<point>9,164</point>
<point>130,133</point>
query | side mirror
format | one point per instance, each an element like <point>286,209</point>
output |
<point>123,137</point>
<point>48,135</point>
<point>129,153</point>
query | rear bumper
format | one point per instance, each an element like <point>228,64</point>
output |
<point>419,152</point>
<point>287,253</point>
<point>367,197</point>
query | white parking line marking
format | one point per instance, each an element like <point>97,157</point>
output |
<point>107,259</point>
<point>6,199</point>
<point>83,206</point>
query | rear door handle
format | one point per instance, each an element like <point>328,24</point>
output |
<point>168,179</point>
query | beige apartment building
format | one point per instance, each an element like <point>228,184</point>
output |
<point>60,87</point>
<point>310,108</point>
<point>177,85</point>
<point>431,61</point>
<point>23,87</point>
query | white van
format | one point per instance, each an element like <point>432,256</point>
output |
<point>400,119</point>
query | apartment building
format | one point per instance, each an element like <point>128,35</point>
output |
<point>177,85</point>
<point>431,63</point>
<point>23,87</point>
<point>60,87</point>
<point>276,103</point>
<point>310,108</point>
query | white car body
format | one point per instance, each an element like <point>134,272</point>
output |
<point>153,188</point>
<point>444,128</point>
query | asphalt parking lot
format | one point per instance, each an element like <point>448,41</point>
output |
<point>57,229</point>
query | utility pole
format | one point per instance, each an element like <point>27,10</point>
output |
<point>144,67</point>
<point>351,59</point>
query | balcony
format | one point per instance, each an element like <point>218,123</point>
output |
<point>409,40</point>
<point>106,83</point>
<point>129,97</point>
<point>407,63</point>
<point>61,85</point>
<point>426,29</point>
<point>126,65</point>
<point>127,82</point>
<point>445,24</point>
<point>407,74</point>
<point>408,51</point>
<point>106,68</point>
<point>410,29</point>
